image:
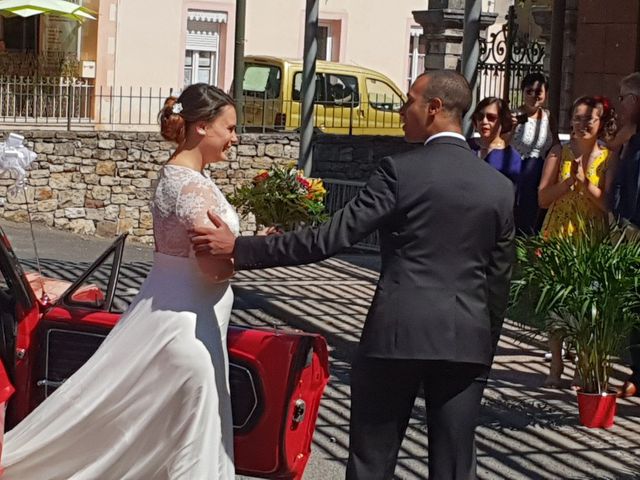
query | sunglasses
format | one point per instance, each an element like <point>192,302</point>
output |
<point>492,117</point>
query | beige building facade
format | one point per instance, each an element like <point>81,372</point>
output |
<point>171,43</point>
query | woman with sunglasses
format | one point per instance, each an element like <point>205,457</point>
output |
<point>573,186</point>
<point>533,136</point>
<point>491,119</point>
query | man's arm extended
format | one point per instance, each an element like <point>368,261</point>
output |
<point>361,216</point>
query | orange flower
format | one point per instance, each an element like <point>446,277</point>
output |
<point>261,177</point>
<point>317,187</point>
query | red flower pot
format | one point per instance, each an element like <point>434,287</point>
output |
<point>597,410</point>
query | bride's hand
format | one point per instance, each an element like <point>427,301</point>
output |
<point>272,230</point>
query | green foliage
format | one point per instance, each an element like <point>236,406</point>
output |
<point>585,286</point>
<point>282,197</point>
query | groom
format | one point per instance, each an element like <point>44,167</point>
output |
<point>446,233</point>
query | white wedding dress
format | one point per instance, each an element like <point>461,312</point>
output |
<point>153,402</point>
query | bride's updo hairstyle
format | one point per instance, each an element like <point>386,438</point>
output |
<point>197,103</point>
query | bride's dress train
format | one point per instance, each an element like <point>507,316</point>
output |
<point>153,402</point>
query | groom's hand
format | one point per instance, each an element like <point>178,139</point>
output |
<point>219,241</point>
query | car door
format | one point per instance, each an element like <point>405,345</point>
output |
<point>277,377</point>
<point>19,311</point>
<point>336,106</point>
<point>382,112</point>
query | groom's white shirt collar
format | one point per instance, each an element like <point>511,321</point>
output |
<point>446,134</point>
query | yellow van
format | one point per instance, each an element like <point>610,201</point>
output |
<point>349,99</point>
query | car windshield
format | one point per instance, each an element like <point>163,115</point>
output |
<point>261,81</point>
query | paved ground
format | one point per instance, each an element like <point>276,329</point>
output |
<point>525,432</point>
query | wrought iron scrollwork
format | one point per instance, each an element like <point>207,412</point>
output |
<point>505,57</point>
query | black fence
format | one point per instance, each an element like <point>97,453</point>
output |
<point>73,103</point>
<point>376,114</point>
<point>339,193</point>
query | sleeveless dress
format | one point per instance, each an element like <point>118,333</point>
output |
<point>532,140</point>
<point>153,402</point>
<point>562,216</point>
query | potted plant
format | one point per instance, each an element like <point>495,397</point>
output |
<point>586,287</point>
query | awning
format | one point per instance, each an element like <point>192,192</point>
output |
<point>205,16</point>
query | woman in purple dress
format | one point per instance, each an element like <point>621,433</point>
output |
<point>492,119</point>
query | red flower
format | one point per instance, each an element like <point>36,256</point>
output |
<point>260,177</point>
<point>538,252</point>
<point>304,182</point>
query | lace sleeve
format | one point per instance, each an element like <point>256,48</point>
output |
<point>195,199</point>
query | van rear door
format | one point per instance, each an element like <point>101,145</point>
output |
<point>262,91</point>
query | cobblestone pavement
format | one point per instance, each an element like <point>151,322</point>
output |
<point>525,431</point>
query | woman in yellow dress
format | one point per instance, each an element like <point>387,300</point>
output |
<point>572,186</point>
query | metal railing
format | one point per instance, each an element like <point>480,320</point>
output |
<point>376,114</point>
<point>76,103</point>
<point>339,193</point>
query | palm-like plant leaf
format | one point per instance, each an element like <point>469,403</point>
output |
<point>586,286</point>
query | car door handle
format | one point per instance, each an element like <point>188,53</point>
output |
<point>299,410</point>
<point>49,383</point>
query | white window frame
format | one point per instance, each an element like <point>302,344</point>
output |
<point>414,61</point>
<point>328,54</point>
<point>195,65</point>
<point>198,42</point>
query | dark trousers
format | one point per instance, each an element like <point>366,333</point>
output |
<point>383,392</point>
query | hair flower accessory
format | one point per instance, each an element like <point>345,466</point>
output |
<point>177,108</point>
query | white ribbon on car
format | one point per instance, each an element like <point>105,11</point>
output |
<point>15,157</point>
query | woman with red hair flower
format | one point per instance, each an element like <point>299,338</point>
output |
<point>572,187</point>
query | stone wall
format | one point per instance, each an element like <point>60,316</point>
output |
<point>100,183</point>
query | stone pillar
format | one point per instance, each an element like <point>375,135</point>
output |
<point>443,26</point>
<point>568,64</point>
<point>542,16</point>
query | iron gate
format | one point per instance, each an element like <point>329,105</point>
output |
<point>505,59</point>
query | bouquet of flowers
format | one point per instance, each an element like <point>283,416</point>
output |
<point>282,197</point>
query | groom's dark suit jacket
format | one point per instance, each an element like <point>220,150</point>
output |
<point>446,232</point>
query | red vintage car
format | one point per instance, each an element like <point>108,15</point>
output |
<point>49,328</point>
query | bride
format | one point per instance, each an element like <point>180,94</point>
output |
<point>153,402</point>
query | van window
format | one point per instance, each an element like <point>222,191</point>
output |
<point>261,81</point>
<point>382,97</point>
<point>331,89</point>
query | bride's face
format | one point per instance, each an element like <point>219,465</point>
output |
<point>219,135</point>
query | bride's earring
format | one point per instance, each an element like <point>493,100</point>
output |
<point>201,131</point>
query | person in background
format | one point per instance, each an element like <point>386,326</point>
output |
<point>491,119</point>
<point>573,186</point>
<point>626,191</point>
<point>534,134</point>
